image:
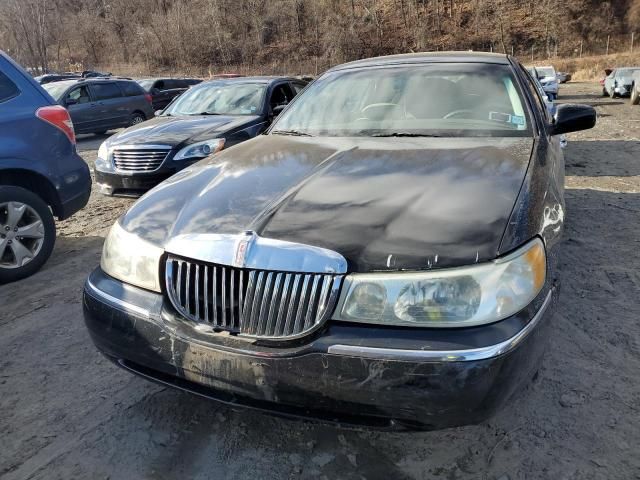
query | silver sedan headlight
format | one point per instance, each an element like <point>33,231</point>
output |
<point>129,258</point>
<point>103,151</point>
<point>456,297</point>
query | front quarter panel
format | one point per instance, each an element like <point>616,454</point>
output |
<point>540,207</point>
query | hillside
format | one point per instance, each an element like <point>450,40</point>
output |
<point>300,36</point>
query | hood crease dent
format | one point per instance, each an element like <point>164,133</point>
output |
<point>422,202</point>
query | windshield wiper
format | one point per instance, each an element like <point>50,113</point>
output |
<point>205,113</point>
<point>293,133</point>
<point>405,134</point>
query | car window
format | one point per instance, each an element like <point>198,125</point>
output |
<point>105,91</point>
<point>430,99</point>
<point>80,95</point>
<point>281,95</point>
<point>160,85</point>
<point>534,88</point>
<point>146,84</point>
<point>545,72</point>
<point>131,89</point>
<point>220,98</point>
<point>8,89</point>
<point>298,87</point>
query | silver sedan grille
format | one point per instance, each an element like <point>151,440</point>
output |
<point>139,159</point>
<point>249,302</point>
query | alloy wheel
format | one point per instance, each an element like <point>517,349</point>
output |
<point>21,234</point>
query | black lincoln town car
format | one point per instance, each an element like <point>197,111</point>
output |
<point>385,255</point>
<point>204,120</point>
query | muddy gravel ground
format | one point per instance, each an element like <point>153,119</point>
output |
<point>66,412</point>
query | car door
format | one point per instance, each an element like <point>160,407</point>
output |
<point>112,105</point>
<point>173,88</point>
<point>161,96</point>
<point>608,82</point>
<point>83,110</point>
<point>279,97</point>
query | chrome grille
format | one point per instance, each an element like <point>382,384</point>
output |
<point>256,303</point>
<point>139,159</point>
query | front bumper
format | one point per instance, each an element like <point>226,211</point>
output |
<point>623,90</point>
<point>135,184</point>
<point>379,376</point>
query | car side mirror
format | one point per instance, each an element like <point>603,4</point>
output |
<point>277,110</point>
<point>70,101</point>
<point>573,118</point>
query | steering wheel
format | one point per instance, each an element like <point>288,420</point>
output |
<point>374,106</point>
<point>457,112</point>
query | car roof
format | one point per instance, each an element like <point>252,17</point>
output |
<point>258,79</point>
<point>428,57</point>
<point>165,78</point>
<point>72,81</point>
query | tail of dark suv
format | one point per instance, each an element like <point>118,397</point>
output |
<point>41,174</point>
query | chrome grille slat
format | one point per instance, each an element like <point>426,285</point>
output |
<point>214,295</point>
<point>251,302</point>
<point>223,282</point>
<point>139,159</point>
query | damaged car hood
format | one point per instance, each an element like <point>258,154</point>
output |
<point>383,204</point>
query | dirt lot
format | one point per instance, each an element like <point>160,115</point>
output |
<point>65,412</point>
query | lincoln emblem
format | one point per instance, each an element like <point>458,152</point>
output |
<point>242,248</point>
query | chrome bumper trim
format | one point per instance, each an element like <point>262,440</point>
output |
<point>468,355</point>
<point>116,302</point>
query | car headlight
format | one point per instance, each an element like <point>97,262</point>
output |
<point>129,258</point>
<point>200,149</point>
<point>456,297</point>
<point>103,151</point>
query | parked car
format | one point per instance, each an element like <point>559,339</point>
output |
<point>223,76</point>
<point>634,97</point>
<point>552,108</point>
<point>164,90</point>
<point>563,77</point>
<point>207,118</point>
<point>548,80</point>
<point>100,104</point>
<point>95,74</point>
<point>55,77</point>
<point>618,82</point>
<point>387,253</point>
<point>41,175</point>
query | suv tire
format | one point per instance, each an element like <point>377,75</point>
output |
<point>23,209</point>
<point>136,118</point>
<point>635,96</point>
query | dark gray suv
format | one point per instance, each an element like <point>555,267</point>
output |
<point>97,105</point>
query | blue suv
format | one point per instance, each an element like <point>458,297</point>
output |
<point>41,174</point>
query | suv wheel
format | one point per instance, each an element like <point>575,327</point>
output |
<point>27,233</point>
<point>137,118</point>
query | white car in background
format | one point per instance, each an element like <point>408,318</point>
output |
<point>548,80</point>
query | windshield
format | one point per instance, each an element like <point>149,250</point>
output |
<point>424,100</point>
<point>146,84</point>
<point>626,72</point>
<point>57,89</point>
<point>545,72</point>
<point>219,98</point>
